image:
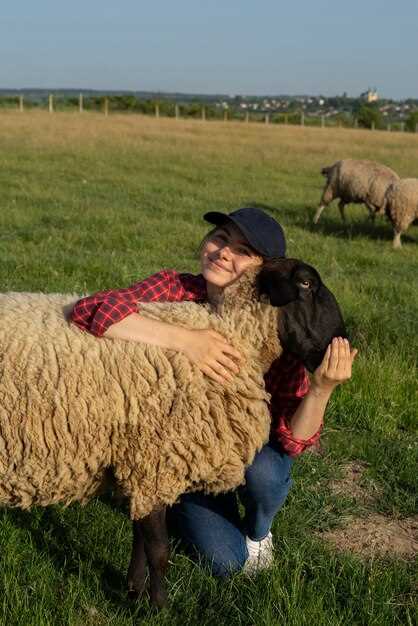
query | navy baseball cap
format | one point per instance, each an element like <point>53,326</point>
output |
<point>262,232</point>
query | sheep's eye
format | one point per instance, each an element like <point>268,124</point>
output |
<point>305,284</point>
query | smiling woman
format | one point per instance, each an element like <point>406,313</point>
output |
<point>225,255</point>
<point>212,525</point>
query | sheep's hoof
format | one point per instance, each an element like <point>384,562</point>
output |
<point>133,595</point>
<point>136,591</point>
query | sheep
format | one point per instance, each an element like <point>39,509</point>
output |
<point>74,408</point>
<point>401,206</point>
<point>358,182</point>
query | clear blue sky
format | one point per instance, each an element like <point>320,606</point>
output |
<point>223,46</point>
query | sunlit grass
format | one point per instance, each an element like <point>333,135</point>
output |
<point>91,202</point>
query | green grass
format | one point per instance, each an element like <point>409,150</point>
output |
<point>90,203</point>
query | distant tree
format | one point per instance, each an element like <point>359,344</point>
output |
<point>194,109</point>
<point>367,115</point>
<point>344,119</point>
<point>412,121</point>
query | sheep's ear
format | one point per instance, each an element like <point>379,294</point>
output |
<point>279,290</point>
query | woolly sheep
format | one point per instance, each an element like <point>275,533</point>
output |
<point>73,406</point>
<point>358,182</point>
<point>402,206</point>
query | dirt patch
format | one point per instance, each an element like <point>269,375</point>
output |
<point>372,534</point>
<point>353,484</point>
<point>377,535</point>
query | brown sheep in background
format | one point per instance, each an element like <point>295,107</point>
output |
<point>357,182</point>
<point>402,206</point>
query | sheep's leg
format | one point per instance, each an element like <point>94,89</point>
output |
<point>341,206</point>
<point>397,239</point>
<point>154,529</point>
<point>327,197</point>
<point>138,566</point>
<point>318,213</point>
<point>372,211</point>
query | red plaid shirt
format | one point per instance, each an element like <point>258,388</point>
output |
<point>286,381</point>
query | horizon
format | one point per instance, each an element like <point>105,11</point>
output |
<point>196,94</point>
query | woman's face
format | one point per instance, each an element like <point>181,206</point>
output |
<point>225,255</point>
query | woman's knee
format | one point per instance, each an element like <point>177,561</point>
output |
<point>270,471</point>
<point>208,528</point>
<point>225,561</point>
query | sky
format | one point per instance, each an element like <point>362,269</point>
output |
<point>231,47</point>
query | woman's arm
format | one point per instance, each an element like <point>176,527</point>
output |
<point>113,314</point>
<point>98,312</point>
<point>205,348</point>
<point>334,370</point>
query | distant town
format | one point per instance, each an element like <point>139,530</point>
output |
<point>326,106</point>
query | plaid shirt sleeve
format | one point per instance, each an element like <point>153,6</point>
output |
<point>287,382</point>
<point>97,312</point>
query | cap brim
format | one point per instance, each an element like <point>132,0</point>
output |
<point>217,218</point>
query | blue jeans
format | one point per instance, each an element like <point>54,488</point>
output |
<point>212,526</point>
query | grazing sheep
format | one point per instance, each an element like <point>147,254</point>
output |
<point>358,182</point>
<point>73,407</point>
<point>402,206</point>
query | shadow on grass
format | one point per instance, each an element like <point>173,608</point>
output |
<point>352,230</point>
<point>333,226</point>
<point>355,230</point>
<point>52,534</point>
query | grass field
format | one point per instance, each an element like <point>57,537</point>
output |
<point>89,203</point>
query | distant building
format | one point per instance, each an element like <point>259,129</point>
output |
<point>370,95</point>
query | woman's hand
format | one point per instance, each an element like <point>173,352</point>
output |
<point>212,354</point>
<point>335,367</point>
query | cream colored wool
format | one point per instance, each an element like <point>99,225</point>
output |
<point>357,181</point>
<point>72,405</point>
<point>402,206</point>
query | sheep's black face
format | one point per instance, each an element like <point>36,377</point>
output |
<point>310,316</point>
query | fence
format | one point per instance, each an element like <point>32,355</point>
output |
<point>192,110</point>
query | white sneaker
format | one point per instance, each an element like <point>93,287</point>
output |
<point>260,554</point>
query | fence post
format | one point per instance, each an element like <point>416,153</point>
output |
<point>177,111</point>
<point>203,114</point>
<point>21,103</point>
<point>373,126</point>
<point>402,127</point>
<point>80,103</point>
<point>225,115</point>
<point>302,119</point>
<point>247,116</point>
<point>106,106</point>
<point>51,103</point>
<point>285,119</point>
<point>267,118</point>
<point>322,121</point>
<point>355,122</point>
<point>157,110</point>
<point>389,128</point>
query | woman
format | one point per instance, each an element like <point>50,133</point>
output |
<point>212,525</point>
